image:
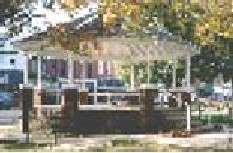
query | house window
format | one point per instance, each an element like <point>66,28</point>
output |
<point>12,61</point>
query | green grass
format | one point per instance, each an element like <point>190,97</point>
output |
<point>124,142</point>
<point>215,119</point>
<point>20,146</point>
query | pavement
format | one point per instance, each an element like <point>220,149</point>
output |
<point>159,142</point>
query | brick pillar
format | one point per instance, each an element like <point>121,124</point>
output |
<point>27,101</point>
<point>83,97</point>
<point>43,95</point>
<point>70,108</point>
<point>186,97</point>
<point>37,100</point>
<point>147,102</point>
<point>173,100</point>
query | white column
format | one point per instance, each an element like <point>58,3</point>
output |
<point>39,80</point>
<point>160,99</point>
<point>174,74</point>
<point>108,67</point>
<point>83,69</point>
<point>109,99</point>
<point>25,80</point>
<point>62,100</point>
<point>37,97</point>
<point>179,100</point>
<point>148,65</point>
<point>70,69</point>
<point>95,92</point>
<point>100,67</point>
<point>231,89</point>
<point>132,81</point>
<point>209,120</point>
<point>188,65</point>
<point>188,117</point>
<point>57,96</point>
<point>83,74</point>
<point>183,81</point>
<point>40,3</point>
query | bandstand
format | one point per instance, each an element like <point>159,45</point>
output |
<point>110,50</point>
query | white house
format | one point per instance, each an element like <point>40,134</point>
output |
<point>12,66</point>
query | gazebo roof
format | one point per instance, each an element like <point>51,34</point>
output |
<point>136,49</point>
<point>114,48</point>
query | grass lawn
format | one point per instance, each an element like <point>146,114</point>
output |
<point>214,119</point>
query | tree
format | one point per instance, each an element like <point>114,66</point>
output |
<point>62,36</point>
<point>8,8</point>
